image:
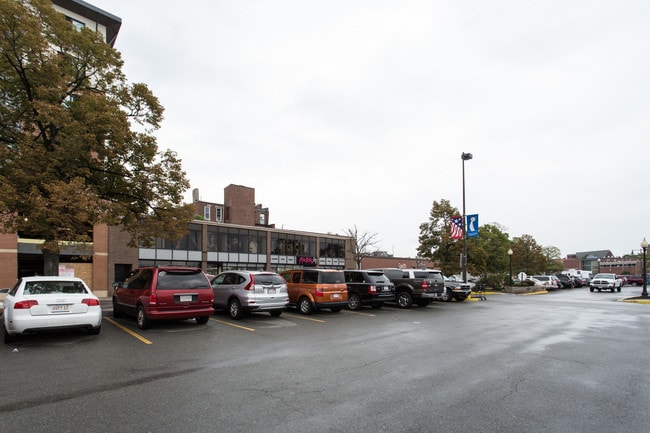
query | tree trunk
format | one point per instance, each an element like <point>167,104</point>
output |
<point>50,263</point>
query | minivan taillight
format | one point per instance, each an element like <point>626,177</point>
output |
<point>319,292</point>
<point>25,305</point>
<point>251,283</point>
<point>153,299</point>
<point>372,290</point>
<point>91,302</point>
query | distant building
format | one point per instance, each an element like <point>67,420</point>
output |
<point>603,261</point>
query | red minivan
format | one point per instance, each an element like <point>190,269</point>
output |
<point>165,292</point>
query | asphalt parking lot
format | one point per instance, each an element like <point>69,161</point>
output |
<point>568,360</point>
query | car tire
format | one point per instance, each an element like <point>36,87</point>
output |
<point>378,306</point>
<point>141,318</point>
<point>7,336</point>
<point>202,320</point>
<point>117,314</point>
<point>94,331</point>
<point>354,302</point>
<point>234,309</point>
<point>276,313</point>
<point>460,298</point>
<point>404,300</point>
<point>305,306</point>
<point>447,297</point>
<point>591,289</point>
<point>423,302</point>
<point>618,290</point>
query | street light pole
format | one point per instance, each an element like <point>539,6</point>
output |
<point>465,157</point>
<point>510,257</point>
<point>644,246</point>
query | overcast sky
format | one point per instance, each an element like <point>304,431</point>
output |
<point>343,113</point>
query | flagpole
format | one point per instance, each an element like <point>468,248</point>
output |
<point>464,157</point>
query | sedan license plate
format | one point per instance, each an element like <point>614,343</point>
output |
<point>186,298</point>
<point>59,308</point>
<point>270,291</point>
<point>336,295</point>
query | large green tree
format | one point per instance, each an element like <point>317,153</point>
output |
<point>76,139</point>
<point>527,256</point>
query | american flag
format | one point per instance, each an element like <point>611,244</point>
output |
<point>456,224</point>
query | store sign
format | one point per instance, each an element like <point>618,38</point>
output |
<point>306,261</point>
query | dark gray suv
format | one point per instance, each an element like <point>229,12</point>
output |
<point>368,288</point>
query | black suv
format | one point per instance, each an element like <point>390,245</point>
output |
<point>368,288</point>
<point>166,292</point>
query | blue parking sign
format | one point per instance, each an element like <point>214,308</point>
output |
<point>472,226</point>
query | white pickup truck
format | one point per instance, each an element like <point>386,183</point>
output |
<point>605,282</point>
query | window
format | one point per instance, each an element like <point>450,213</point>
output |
<point>218,214</point>
<point>78,25</point>
<point>206,213</point>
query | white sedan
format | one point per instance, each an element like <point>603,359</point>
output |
<point>50,303</point>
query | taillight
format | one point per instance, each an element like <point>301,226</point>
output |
<point>425,285</point>
<point>319,292</point>
<point>25,305</point>
<point>251,284</point>
<point>372,290</point>
<point>91,302</point>
<point>153,299</point>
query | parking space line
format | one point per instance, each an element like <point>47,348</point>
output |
<point>304,318</point>
<point>360,313</point>
<point>233,325</point>
<point>128,331</point>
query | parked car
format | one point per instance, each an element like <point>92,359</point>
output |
<point>455,289</point>
<point>366,287</point>
<point>37,304</point>
<point>165,292</point>
<point>549,282</point>
<point>605,282</point>
<point>566,282</point>
<point>240,292</point>
<point>312,289</point>
<point>634,280</point>
<point>419,286</point>
<point>3,295</point>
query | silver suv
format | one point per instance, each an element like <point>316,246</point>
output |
<point>240,292</point>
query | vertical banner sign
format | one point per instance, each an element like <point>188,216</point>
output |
<point>472,226</point>
<point>456,227</point>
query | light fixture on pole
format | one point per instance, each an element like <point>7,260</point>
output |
<point>644,246</point>
<point>510,257</point>
<point>465,157</point>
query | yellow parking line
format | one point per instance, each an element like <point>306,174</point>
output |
<point>233,325</point>
<point>304,318</point>
<point>128,331</point>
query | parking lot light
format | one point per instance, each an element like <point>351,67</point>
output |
<point>644,246</point>
<point>464,157</point>
<point>510,257</point>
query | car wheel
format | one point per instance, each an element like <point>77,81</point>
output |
<point>305,306</point>
<point>618,290</point>
<point>234,309</point>
<point>116,310</point>
<point>591,289</point>
<point>460,298</point>
<point>423,302</point>
<point>354,302</point>
<point>275,313</point>
<point>7,336</point>
<point>202,320</point>
<point>447,297</point>
<point>336,309</point>
<point>377,306</point>
<point>404,300</point>
<point>94,331</point>
<point>141,318</point>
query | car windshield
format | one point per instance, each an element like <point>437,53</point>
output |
<point>268,279</point>
<point>169,280</point>
<point>378,277</point>
<point>50,287</point>
<point>605,276</point>
<point>333,277</point>
<point>436,276</point>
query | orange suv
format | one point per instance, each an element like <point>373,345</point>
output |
<point>312,289</point>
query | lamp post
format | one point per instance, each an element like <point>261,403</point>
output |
<point>464,157</point>
<point>510,257</point>
<point>644,246</point>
